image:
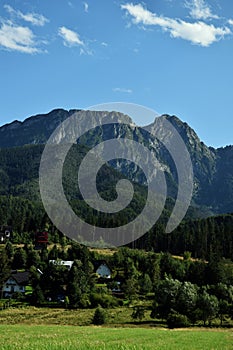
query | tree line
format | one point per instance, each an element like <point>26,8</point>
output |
<point>202,237</point>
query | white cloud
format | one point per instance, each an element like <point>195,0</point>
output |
<point>124,90</point>
<point>17,38</point>
<point>86,7</point>
<point>70,37</point>
<point>230,21</point>
<point>86,51</point>
<point>199,33</point>
<point>199,9</point>
<point>104,44</point>
<point>33,18</point>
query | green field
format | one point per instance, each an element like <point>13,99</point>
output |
<point>31,328</point>
<point>25,337</point>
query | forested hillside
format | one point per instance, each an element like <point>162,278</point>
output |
<point>22,209</point>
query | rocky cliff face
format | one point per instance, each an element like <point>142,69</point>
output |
<point>213,168</point>
<point>34,130</point>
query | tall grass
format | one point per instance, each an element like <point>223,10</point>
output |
<point>25,337</point>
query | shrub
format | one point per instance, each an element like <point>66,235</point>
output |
<point>105,300</point>
<point>176,320</point>
<point>138,313</point>
<point>100,316</point>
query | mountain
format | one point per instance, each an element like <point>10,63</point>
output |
<point>34,130</point>
<point>213,168</point>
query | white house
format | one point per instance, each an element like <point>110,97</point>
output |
<point>16,283</point>
<point>103,271</point>
<point>67,263</point>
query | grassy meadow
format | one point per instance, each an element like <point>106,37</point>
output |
<point>38,337</point>
<point>33,328</point>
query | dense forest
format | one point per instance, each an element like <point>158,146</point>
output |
<point>22,209</point>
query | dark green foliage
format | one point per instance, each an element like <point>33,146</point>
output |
<point>215,270</point>
<point>20,202</point>
<point>131,288</point>
<point>37,297</point>
<point>176,320</point>
<point>33,258</point>
<point>196,272</point>
<point>207,307</point>
<point>20,259</point>
<point>200,237</point>
<point>171,267</point>
<point>78,285</point>
<point>223,309</point>
<point>103,299</point>
<point>23,215</point>
<point>186,299</point>
<point>100,316</point>
<point>9,250</point>
<point>222,291</point>
<point>166,297</point>
<point>52,280</point>
<point>145,284</point>
<point>4,267</point>
<point>138,313</point>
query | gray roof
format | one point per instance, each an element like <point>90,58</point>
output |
<point>22,278</point>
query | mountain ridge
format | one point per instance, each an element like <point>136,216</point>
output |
<point>213,168</point>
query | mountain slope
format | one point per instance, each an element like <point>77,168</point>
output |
<point>213,168</point>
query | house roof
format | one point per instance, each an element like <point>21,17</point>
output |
<point>21,278</point>
<point>58,262</point>
<point>98,263</point>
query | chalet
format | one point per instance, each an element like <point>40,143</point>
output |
<point>16,283</point>
<point>103,270</point>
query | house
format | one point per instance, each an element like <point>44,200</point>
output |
<point>16,283</point>
<point>67,263</point>
<point>103,270</point>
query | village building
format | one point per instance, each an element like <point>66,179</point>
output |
<point>103,270</point>
<point>16,283</point>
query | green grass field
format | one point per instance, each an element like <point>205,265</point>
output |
<point>31,328</point>
<point>37,337</point>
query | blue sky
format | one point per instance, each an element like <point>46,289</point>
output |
<point>169,55</point>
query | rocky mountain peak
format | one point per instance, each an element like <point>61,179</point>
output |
<point>213,169</point>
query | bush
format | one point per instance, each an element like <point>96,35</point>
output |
<point>138,313</point>
<point>105,300</point>
<point>100,316</point>
<point>176,320</point>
